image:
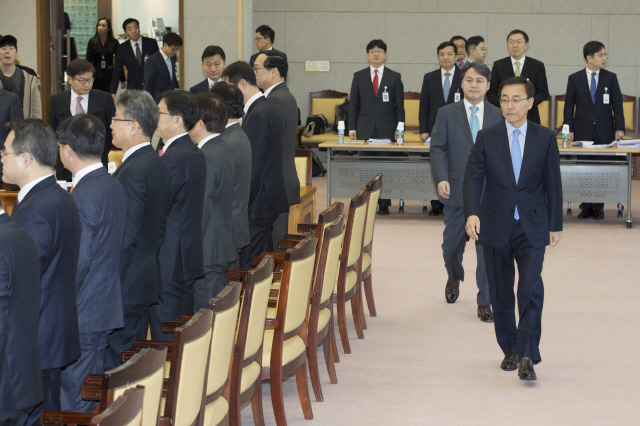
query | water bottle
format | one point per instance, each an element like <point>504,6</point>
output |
<point>400,133</point>
<point>565,136</point>
<point>340,131</point>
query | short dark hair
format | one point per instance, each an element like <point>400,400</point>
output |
<point>128,21</point>
<point>472,42</point>
<point>526,37</point>
<point>172,39</point>
<point>273,53</point>
<point>266,32</point>
<point>80,66</point>
<point>84,134</point>
<point>36,138</point>
<point>232,97</point>
<point>444,45</point>
<point>591,48</point>
<point>376,43</point>
<point>213,111</point>
<point>277,61</point>
<point>8,41</point>
<point>139,106</point>
<point>240,71</point>
<point>212,50</point>
<point>512,81</point>
<point>480,68</point>
<point>458,37</point>
<point>183,104</point>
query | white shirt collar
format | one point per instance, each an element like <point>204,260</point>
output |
<point>28,187</point>
<point>521,60</point>
<point>271,48</point>
<point>133,149</point>
<point>266,92</point>
<point>82,173</point>
<point>207,139</point>
<point>84,102</point>
<point>467,106</point>
<point>165,57</point>
<point>589,72</point>
<point>231,124</point>
<point>380,71</point>
<point>523,129</point>
<point>211,82</point>
<point>252,100</point>
<point>133,45</point>
<point>167,143</point>
<point>2,212</point>
<point>452,71</point>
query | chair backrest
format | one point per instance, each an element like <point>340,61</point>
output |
<point>116,157</point>
<point>544,108</point>
<point>411,110</point>
<point>559,113</point>
<point>328,260</point>
<point>629,107</point>
<point>355,228</point>
<point>297,274</point>
<point>146,368</point>
<point>303,166</point>
<point>324,102</point>
<point>124,411</point>
<point>374,187</point>
<point>329,215</point>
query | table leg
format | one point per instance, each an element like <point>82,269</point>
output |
<point>629,168</point>
<point>329,153</point>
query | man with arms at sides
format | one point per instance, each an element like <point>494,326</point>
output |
<point>271,72</point>
<point>454,134</point>
<point>102,205</point>
<point>26,80</point>
<point>268,194</point>
<point>20,379</point>
<point>181,252</point>
<point>476,49</point>
<point>377,102</point>
<point>50,216</point>
<point>461,52</point>
<point>214,62</point>
<point>10,110</point>
<point>593,108</point>
<point>236,139</point>
<point>518,64</point>
<point>160,71</point>
<point>217,227</point>
<point>147,183</point>
<point>439,88</point>
<point>133,56</point>
<point>265,37</point>
<point>520,210</point>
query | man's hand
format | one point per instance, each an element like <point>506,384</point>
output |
<point>570,136</point>
<point>444,189</point>
<point>554,237</point>
<point>123,85</point>
<point>473,227</point>
<point>352,136</point>
<point>424,136</point>
<point>114,97</point>
<point>619,134</point>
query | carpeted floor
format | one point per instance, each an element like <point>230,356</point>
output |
<point>425,362</point>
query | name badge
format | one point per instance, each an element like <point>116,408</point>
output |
<point>457,97</point>
<point>103,64</point>
<point>605,97</point>
<point>385,95</point>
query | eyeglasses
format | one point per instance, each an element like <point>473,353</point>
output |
<point>4,153</point>
<point>514,42</point>
<point>376,52</point>
<point>484,49</point>
<point>602,55</point>
<point>259,38</point>
<point>255,69</point>
<point>515,102</point>
<point>82,81</point>
<point>113,120</point>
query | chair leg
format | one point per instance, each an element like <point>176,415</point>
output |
<point>303,391</point>
<point>334,347</point>
<point>331,368</point>
<point>234,408</point>
<point>368,292</point>
<point>355,311</point>
<point>277,397</point>
<point>363,321</point>
<point>312,356</point>
<point>342,325</point>
<point>256,406</point>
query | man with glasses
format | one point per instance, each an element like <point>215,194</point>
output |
<point>517,64</point>
<point>476,49</point>
<point>593,108</point>
<point>517,163</point>
<point>81,99</point>
<point>160,71</point>
<point>265,37</point>
<point>461,53</point>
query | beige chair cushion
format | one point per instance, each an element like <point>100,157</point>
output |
<point>137,420</point>
<point>250,374</point>
<point>412,137</point>
<point>299,287</point>
<point>301,169</point>
<point>324,316</point>
<point>560,114</point>
<point>627,108</point>
<point>543,110</point>
<point>411,113</point>
<point>366,261</point>
<point>326,106</point>
<point>355,249</point>
<point>215,412</point>
<point>349,283</point>
<point>116,157</point>
<point>224,331</point>
<point>152,394</point>
<point>167,369</point>
<point>291,349</point>
<point>257,314</point>
<point>331,268</point>
<point>324,137</point>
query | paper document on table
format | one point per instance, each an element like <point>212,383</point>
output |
<point>428,142</point>
<point>581,143</point>
<point>626,142</point>
<point>355,141</point>
<point>379,141</point>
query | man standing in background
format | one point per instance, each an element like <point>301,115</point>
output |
<point>265,37</point>
<point>214,62</point>
<point>26,80</point>
<point>461,52</point>
<point>476,49</point>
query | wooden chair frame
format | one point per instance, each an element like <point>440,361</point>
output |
<point>123,410</point>
<point>325,94</point>
<point>306,153</point>
<point>374,185</point>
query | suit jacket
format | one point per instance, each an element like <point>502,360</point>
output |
<point>608,118</point>
<point>533,70</point>
<point>451,143</point>
<point>238,142</point>
<point>538,193</point>
<point>255,55</point>
<point>368,112</point>
<point>432,97</point>
<point>147,183</point>
<point>286,105</point>
<point>50,216</point>
<point>217,226</point>
<point>20,377</point>
<point>201,87</point>
<point>100,106</point>
<point>156,75</point>
<point>181,252</point>
<point>263,126</point>
<point>126,57</point>
<point>102,205</point>
<point>10,109</point>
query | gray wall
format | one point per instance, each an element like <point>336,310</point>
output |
<point>18,18</point>
<point>339,30</point>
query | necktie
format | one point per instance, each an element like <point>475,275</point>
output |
<point>446,87</point>
<point>15,205</point>
<point>79,109</point>
<point>474,123</point>
<point>593,87</point>
<point>375,83</point>
<point>169,67</point>
<point>517,69</point>
<point>138,54</point>
<point>243,114</point>
<point>459,64</point>
<point>516,161</point>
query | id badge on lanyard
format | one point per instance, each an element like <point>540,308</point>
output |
<point>385,95</point>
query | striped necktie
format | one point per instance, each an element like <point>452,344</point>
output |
<point>516,161</point>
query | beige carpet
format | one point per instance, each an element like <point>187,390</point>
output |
<point>425,362</point>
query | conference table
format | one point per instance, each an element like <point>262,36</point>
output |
<point>598,175</point>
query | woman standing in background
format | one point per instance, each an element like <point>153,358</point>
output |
<point>101,52</point>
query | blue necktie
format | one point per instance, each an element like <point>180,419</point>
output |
<point>243,114</point>
<point>516,161</point>
<point>593,87</point>
<point>446,86</point>
<point>474,123</point>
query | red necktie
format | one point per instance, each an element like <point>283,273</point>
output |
<point>375,83</point>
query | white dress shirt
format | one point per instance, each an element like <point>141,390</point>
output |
<point>133,149</point>
<point>266,92</point>
<point>589,77</point>
<point>74,100</point>
<point>479,112</point>
<point>28,187</point>
<point>167,143</point>
<point>211,82</point>
<point>207,139</point>
<point>169,64</point>
<point>373,74</point>
<point>513,63</point>
<point>252,100</point>
<point>133,45</point>
<point>231,124</point>
<point>521,138</point>
<point>2,212</point>
<point>452,71</point>
<point>82,173</point>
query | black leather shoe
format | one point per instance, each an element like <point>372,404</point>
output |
<point>384,211</point>
<point>452,290</point>
<point>585,214</point>
<point>435,212</point>
<point>598,214</point>
<point>525,369</point>
<point>485,314</point>
<point>509,363</point>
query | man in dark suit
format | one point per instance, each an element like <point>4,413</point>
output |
<point>520,209</point>
<point>20,378</point>
<point>238,142</point>
<point>81,99</point>
<point>214,62</point>
<point>476,49</point>
<point>102,204</point>
<point>376,102</point>
<point>10,110</point>
<point>268,194</point>
<point>147,183</point>
<point>181,252</point>
<point>461,51</point>
<point>265,37</point>
<point>519,65</point>
<point>453,136</point>
<point>271,72</point>
<point>50,216</point>
<point>593,108</point>
<point>132,54</point>
<point>160,71</point>
<point>217,226</point>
